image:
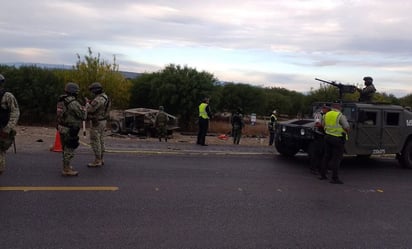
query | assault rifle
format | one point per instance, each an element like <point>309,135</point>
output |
<point>342,88</point>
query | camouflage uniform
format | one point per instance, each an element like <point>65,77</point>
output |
<point>366,94</point>
<point>237,126</point>
<point>97,113</point>
<point>161,124</point>
<point>7,133</point>
<point>69,130</point>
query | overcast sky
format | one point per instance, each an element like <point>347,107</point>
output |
<point>276,43</point>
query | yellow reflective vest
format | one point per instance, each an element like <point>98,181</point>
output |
<point>202,111</point>
<point>332,126</point>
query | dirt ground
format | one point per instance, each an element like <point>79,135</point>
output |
<point>28,135</point>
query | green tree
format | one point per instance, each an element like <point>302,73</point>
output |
<point>91,69</point>
<point>247,97</point>
<point>178,89</point>
<point>406,101</point>
<point>36,91</point>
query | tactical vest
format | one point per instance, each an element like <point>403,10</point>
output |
<point>161,119</point>
<point>4,112</point>
<point>61,109</point>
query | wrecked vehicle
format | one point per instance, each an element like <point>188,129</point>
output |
<point>139,121</point>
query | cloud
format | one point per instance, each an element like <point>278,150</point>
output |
<point>261,41</point>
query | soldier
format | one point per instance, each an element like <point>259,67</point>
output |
<point>9,115</point>
<point>237,126</point>
<point>161,124</point>
<point>97,113</point>
<point>271,127</point>
<point>70,115</point>
<point>367,92</point>
<point>204,116</point>
<point>336,129</point>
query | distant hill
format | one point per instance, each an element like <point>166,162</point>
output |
<point>127,75</point>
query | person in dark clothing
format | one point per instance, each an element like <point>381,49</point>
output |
<point>237,126</point>
<point>318,147</point>
<point>271,127</point>
<point>204,116</point>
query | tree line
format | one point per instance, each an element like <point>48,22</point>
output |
<point>178,88</point>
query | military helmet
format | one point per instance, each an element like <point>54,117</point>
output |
<point>71,88</point>
<point>368,79</point>
<point>96,87</point>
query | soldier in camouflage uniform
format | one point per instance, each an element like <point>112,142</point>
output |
<point>69,121</point>
<point>237,126</point>
<point>97,113</point>
<point>9,115</point>
<point>366,94</point>
<point>161,124</point>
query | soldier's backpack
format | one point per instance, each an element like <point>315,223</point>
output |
<point>61,109</point>
<point>4,113</point>
<point>107,105</point>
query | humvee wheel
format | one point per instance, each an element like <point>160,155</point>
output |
<point>115,127</point>
<point>284,150</point>
<point>405,159</point>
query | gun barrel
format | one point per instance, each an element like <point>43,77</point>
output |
<point>323,81</point>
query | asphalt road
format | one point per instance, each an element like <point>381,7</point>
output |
<point>201,200</point>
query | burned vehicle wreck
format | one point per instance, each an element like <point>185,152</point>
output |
<point>139,121</point>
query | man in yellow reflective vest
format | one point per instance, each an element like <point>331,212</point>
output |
<point>204,116</point>
<point>336,133</point>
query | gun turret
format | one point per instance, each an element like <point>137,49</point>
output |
<point>342,87</point>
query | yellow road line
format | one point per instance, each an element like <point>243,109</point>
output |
<point>59,188</point>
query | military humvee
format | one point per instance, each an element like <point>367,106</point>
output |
<point>376,129</point>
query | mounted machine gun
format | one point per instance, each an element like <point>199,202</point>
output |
<point>342,87</point>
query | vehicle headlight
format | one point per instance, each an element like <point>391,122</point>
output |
<point>283,128</point>
<point>302,132</point>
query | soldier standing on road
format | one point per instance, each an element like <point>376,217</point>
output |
<point>336,129</point>
<point>318,146</point>
<point>204,116</point>
<point>97,113</point>
<point>271,127</point>
<point>237,126</point>
<point>367,92</point>
<point>9,115</point>
<point>161,124</point>
<point>70,115</point>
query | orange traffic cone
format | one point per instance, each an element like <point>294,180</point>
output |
<point>57,143</point>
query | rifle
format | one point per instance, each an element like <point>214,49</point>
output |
<point>342,87</point>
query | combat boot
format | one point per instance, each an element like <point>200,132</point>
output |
<point>97,163</point>
<point>69,171</point>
